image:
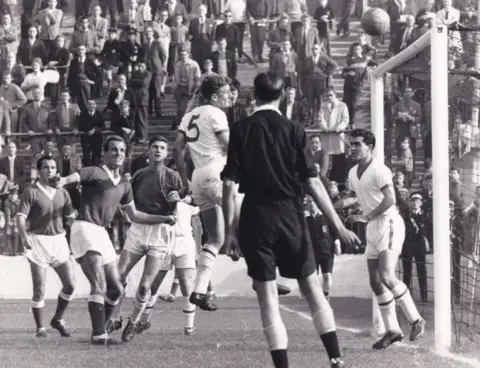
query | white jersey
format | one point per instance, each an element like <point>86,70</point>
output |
<point>184,214</point>
<point>368,189</point>
<point>201,127</point>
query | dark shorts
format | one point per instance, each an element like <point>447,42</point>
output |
<point>322,243</point>
<point>276,235</point>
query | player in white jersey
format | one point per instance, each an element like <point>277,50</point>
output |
<point>205,130</point>
<point>372,183</point>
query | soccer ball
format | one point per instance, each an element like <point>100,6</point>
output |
<point>375,22</point>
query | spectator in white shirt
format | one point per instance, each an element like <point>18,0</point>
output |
<point>35,79</point>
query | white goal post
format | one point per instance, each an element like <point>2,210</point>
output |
<point>437,39</point>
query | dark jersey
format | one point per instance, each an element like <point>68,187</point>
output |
<point>45,211</point>
<point>151,188</point>
<point>266,156</point>
<point>102,194</point>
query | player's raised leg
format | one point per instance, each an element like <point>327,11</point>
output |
<point>66,274</point>
<point>39,276</point>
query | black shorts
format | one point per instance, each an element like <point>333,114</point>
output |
<point>322,242</point>
<point>276,235</point>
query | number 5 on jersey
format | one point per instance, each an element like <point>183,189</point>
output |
<point>193,132</point>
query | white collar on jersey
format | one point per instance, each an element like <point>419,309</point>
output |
<point>267,107</point>
<point>114,180</point>
<point>49,194</point>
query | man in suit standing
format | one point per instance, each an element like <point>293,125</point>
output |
<point>140,83</point>
<point>258,11</point>
<point>49,20</point>
<point>285,64</point>
<point>31,48</point>
<point>173,7</point>
<point>316,71</point>
<point>201,34</point>
<point>304,38</point>
<point>64,119</point>
<point>99,25</point>
<point>91,123</point>
<point>13,166</point>
<point>230,32</point>
<point>34,119</point>
<point>156,64</point>
<point>224,61</point>
<point>278,35</point>
<point>81,76</point>
<point>404,36</point>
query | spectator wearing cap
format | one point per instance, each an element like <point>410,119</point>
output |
<point>258,12</point>
<point>131,51</point>
<point>415,246</point>
<point>82,74</point>
<point>201,34</point>
<point>294,9</point>
<point>99,25</point>
<point>86,37</point>
<point>185,81</point>
<point>110,55</point>
<point>132,19</point>
<point>140,84</point>
<point>277,36</point>
<point>49,21</point>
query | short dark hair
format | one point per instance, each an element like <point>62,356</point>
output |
<point>314,136</point>
<point>44,158</point>
<point>221,38</point>
<point>356,44</point>
<point>268,87</point>
<point>368,136</point>
<point>212,85</point>
<point>157,138</point>
<point>112,138</point>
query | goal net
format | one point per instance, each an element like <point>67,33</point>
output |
<point>425,99</point>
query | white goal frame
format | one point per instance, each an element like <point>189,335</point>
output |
<point>437,39</point>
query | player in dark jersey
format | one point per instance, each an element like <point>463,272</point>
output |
<point>103,190</point>
<point>266,156</point>
<point>155,191</point>
<point>40,225</point>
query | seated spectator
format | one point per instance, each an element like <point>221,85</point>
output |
<point>35,79</point>
<point>9,34</point>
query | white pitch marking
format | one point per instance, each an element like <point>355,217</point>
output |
<point>472,362</point>
<point>309,318</point>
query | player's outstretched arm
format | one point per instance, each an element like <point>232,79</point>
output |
<point>143,218</point>
<point>70,179</point>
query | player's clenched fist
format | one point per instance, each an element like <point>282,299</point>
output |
<point>170,220</point>
<point>347,237</point>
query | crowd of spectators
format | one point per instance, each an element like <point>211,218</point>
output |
<point>135,53</point>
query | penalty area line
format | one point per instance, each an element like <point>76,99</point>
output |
<point>472,362</point>
<point>309,318</point>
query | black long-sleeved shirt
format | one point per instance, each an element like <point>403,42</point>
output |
<point>258,9</point>
<point>266,156</point>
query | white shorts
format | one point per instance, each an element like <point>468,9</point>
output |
<point>48,250</point>
<point>153,240</point>
<point>207,187</point>
<point>185,253</point>
<point>385,233</point>
<point>86,236</point>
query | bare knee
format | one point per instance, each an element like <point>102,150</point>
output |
<point>309,285</point>
<point>143,290</point>
<point>38,292</point>
<point>68,287</point>
<point>388,278</point>
<point>376,284</point>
